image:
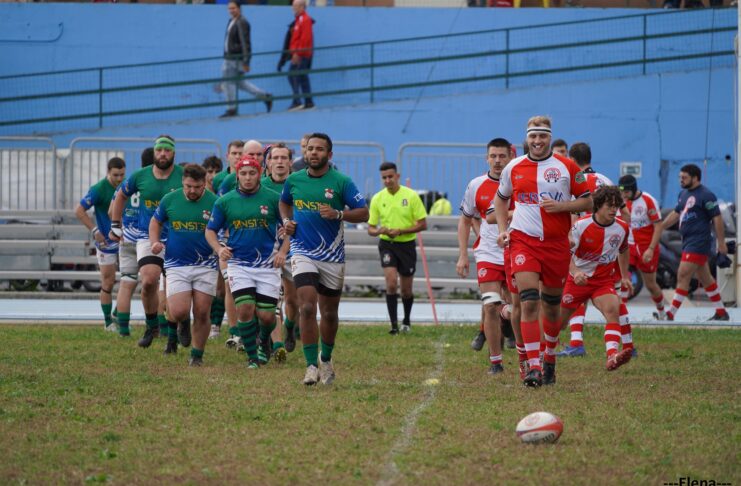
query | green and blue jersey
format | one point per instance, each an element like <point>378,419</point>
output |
<point>151,190</point>
<point>252,221</point>
<point>186,222</point>
<point>318,238</point>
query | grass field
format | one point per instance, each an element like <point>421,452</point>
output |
<point>78,405</point>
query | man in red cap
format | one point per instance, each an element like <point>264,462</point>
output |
<point>251,216</point>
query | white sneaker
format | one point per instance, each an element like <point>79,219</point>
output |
<point>326,372</point>
<point>406,328</point>
<point>233,342</point>
<point>311,376</point>
<point>215,332</point>
<point>112,327</point>
<point>660,315</point>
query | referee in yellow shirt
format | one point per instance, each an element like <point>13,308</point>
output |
<point>397,214</point>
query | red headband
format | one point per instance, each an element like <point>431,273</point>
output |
<point>249,161</point>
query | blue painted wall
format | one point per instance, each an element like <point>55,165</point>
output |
<point>46,37</point>
<point>653,118</point>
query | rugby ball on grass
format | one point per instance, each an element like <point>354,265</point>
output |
<point>539,427</point>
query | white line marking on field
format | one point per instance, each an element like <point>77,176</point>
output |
<point>391,471</point>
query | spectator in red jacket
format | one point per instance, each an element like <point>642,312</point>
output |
<point>301,48</point>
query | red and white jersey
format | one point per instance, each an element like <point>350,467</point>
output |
<point>479,195</point>
<point>644,212</point>
<point>596,247</point>
<point>528,182</point>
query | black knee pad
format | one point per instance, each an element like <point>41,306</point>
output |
<point>551,299</point>
<point>529,295</point>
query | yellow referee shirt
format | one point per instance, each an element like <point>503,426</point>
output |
<point>397,211</point>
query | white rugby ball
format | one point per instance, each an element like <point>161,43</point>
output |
<point>539,427</point>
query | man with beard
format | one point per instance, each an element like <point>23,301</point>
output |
<point>152,183</point>
<point>190,264</point>
<point>696,210</point>
<point>250,215</point>
<point>542,185</point>
<point>317,198</point>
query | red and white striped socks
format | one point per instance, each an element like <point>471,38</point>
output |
<point>612,338</point>
<point>495,359</point>
<point>658,302</point>
<point>714,296</point>
<point>576,326</point>
<point>551,330</point>
<point>626,333</point>
<point>679,296</point>
<point>531,337</point>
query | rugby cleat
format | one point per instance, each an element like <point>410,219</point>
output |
<point>215,332</point>
<point>280,355</point>
<point>148,337</point>
<point>232,342</point>
<point>252,364</point>
<point>524,369</point>
<point>326,372</point>
<point>549,373</point>
<point>495,369</point>
<point>312,375</point>
<point>195,361</point>
<point>660,315</point>
<point>405,329</point>
<point>720,317</point>
<point>171,347</point>
<point>394,331</point>
<point>533,379</point>
<point>572,352</point>
<point>478,342</point>
<point>617,360</point>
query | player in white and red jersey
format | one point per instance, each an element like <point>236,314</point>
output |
<point>581,153</point>
<point>599,241</point>
<point>542,186</point>
<point>645,218</point>
<point>489,256</point>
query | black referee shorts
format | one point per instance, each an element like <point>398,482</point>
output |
<point>402,256</point>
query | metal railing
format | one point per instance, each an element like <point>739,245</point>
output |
<point>28,173</point>
<point>443,167</point>
<point>36,176</point>
<point>385,70</point>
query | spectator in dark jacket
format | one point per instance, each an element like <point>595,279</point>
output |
<point>237,54</point>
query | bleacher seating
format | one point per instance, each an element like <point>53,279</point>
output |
<point>54,246</point>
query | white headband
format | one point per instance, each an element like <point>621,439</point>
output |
<point>539,130</point>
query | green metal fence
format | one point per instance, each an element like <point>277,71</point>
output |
<point>379,71</point>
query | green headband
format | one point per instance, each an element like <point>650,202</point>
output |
<point>164,143</point>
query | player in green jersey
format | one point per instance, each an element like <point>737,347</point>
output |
<point>251,217</point>
<point>99,197</point>
<point>279,167</point>
<point>152,183</point>
<point>190,263</point>
<point>314,206</point>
